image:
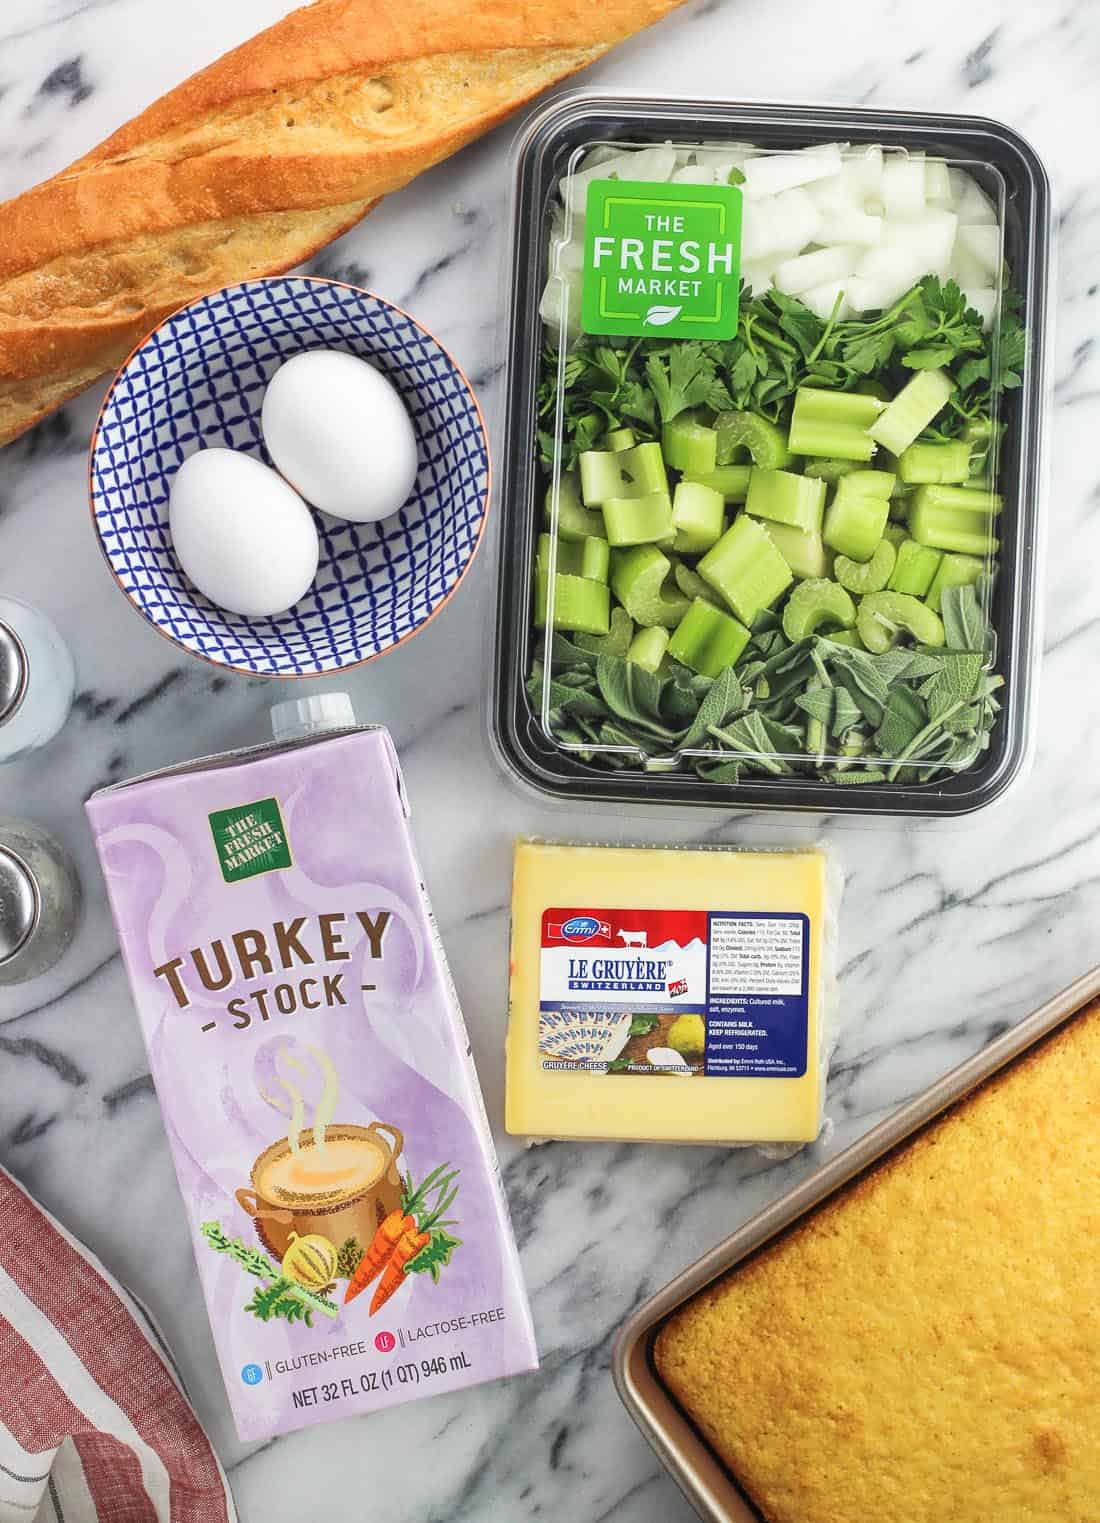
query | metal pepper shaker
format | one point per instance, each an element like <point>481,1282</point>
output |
<point>37,679</point>
<point>40,901</point>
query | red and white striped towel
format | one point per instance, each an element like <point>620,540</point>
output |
<point>94,1424</point>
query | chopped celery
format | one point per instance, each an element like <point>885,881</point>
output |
<point>911,411</point>
<point>595,559</point>
<point>786,498</point>
<point>708,640</point>
<point>587,557</point>
<point>617,640</point>
<point>638,520</point>
<point>648,647</point>
<point>579,604</point>
<point>845,637</point>
<point>897,534</point>
<point>984,438</point>
<point>922,463</point>
<point>816,602</point>
<point>955,518</point>
<point>601,476</point>
<point>638,578</point>
<point>617,438</point>
<point>856,517</point>
<point>688,445</point>
<point>731,480</point>
<point>954,571</point>
<point>963,497</point>
<point>575,521</point>
<point>833,423</point>
<point>633,472</point>
<point>914,569</point>
<point>698,516</point>
<point>765,441</point>
<point>805,554</point>
<point>691,584</point>
<point>901,501</point>
<point>866,576</point>
<point>746,568</point>
<point>830,470</point>
<point>883,616</point>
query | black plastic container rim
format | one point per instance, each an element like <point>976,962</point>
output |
<point>545,142</point>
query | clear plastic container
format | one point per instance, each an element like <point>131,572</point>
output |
<point>937,174</point>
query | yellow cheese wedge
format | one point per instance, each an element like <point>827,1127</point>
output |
<point>711,960</point>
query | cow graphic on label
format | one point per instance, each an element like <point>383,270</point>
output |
<point>634,938</point>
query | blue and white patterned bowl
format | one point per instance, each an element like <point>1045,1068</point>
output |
<point>199,380</point>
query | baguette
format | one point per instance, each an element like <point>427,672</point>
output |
<point>253,164</point>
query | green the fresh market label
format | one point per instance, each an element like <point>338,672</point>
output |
<point>662,258</point>
<point>250,839</point>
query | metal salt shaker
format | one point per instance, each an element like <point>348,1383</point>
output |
<point>39,901</point>
<point>36,679</point>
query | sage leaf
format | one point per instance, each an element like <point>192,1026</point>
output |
<point>725,699</point>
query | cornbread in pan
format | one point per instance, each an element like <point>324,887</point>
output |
<point>926,1346</point>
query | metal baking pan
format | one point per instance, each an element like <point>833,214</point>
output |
<point>989,149</point>
<point>693,1465</point>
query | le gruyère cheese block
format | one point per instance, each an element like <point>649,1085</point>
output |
<point>668,995</point>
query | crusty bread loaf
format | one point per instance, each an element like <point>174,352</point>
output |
<point>254,163</point>
<point>927,1345</point>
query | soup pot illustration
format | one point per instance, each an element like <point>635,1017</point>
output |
<point>344,1187</point>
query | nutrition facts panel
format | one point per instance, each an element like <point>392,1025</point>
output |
<point>756,954</point>
<point>757,995</point>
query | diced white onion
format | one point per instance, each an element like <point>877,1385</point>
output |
<point>757,274</point>
<point>733,154</point>
<point>603,153</point>
<point>937,183</point>
<point>982,243</point>
<point>822,298</point>
<point>773,173</point>
<point>820,223</point>
<point>850,225</point>
<point>869,295</point>
<point>965,270</point>
<point>778,224</point>
<point>969,200</point>
<point>562,296</point>
<point>891,270</point>
<point>568,257</point>
<point>902,188</point>
<point>984,302</point>
<point>833,194</point>
<point>863,172</point>
<point>929,238</point>
<point>651,164</point>
<point>805,271</point>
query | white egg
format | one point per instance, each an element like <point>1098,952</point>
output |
<point>243,537</point>
<point>339,432</point>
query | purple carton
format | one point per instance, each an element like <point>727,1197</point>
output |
<point>316,1081</point>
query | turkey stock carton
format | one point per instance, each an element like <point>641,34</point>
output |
<point>329,1137</point>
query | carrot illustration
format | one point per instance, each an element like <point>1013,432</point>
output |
<point>373,1262</point>
<point>410,1243</point>
<point>391,1230</point>
<point>407,1247</point>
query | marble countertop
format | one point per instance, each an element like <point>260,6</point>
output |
<point>949,934</point>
